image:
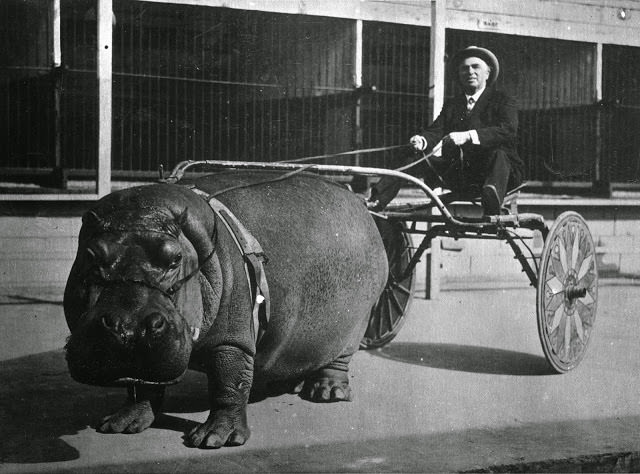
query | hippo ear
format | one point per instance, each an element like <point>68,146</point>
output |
<point>183,219</point>
<point>193,215</point>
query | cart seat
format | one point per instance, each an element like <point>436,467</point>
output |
<point>473,196</point>
<point>449,197</point>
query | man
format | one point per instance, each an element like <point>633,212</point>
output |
<point>477,129</point>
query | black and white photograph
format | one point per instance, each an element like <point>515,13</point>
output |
<point>332,236</point>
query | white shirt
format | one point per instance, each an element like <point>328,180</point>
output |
<point>475,98</point>
<point>474,134</point>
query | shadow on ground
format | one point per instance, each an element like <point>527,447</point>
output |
<point>19,299</point>
<point>40,403</point>
<point>477,359</point>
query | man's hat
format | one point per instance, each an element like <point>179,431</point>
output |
<point>477,52</point>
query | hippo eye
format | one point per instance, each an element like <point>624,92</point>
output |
<point>176,261</point>
<point>170,254</point>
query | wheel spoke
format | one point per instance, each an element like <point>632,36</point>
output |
<point>389,312</point>
<point>587,299</point>
<point>588,281</point>
<point>579,330</point>
<point>567,262</point>
<point>576,249</point>
<point>563,256</point>
<point>376,327</point>
<point>401,288</point>
<point>567,337</point>
<point>586,315</point>
<point>555,285</point>
<point>396,304</point>
<point>557,316</point>
<point>585,267</point>
<point>553,302</point>
<point>372,320</point>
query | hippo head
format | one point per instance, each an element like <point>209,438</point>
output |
<point>133,300</point>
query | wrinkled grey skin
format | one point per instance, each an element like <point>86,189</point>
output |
<point>326,268</point>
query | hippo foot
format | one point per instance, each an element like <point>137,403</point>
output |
<point>326,385</point>
<point>225,427</point>
<point>132,418</point>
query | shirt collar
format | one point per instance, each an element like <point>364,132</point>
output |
<point>476,96</point>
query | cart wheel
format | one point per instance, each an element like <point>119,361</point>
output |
<point>388,314</point>
<point>567,292</point>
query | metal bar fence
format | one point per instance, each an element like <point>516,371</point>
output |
<point>193,82</point>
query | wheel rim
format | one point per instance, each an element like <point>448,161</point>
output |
<point>567,292</point>
<point>389,312</point>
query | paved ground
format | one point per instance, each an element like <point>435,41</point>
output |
<point>463,387</point>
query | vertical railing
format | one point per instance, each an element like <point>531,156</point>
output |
<point>278,112</point>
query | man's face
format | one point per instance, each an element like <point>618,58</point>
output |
<point>473,74</point>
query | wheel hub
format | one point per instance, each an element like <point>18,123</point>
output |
<point>571,291</point>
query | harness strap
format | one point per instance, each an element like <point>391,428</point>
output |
<point>254,260</point>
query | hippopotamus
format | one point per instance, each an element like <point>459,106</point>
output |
<point>159,285</point>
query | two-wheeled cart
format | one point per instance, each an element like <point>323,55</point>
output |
<point>564,273</point>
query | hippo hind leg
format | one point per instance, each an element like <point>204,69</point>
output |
<point>329,384</point>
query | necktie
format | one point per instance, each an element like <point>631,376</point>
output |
<point>470,103</point>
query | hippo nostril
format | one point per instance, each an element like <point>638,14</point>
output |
<point>156,323</point>
<point>118,328</point>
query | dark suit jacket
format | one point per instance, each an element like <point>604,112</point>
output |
<point>494,117</point>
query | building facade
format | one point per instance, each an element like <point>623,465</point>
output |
<point>104,90</point>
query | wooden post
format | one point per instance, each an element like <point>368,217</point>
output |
<point>358,183</point>
<point>436,100</point>
<point>59,175</point>
<point>357,84</point>
<point>56,50</point>
<point>437,57</point>
<point>105,34</point>
<point>601,181</point>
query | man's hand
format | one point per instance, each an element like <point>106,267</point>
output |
<point>418,142</point>
<point>457,138</point>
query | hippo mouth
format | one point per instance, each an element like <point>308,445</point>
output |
<point>106,362</point>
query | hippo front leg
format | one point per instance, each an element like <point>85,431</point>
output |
<point>230,373</point>
<point>142,406</point>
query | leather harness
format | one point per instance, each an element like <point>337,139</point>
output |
<point>254,259</point>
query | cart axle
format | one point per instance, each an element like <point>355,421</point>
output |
<point>573,292</point>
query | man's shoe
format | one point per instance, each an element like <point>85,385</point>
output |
<point>491,202</point>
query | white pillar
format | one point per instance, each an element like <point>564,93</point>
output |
<point>437,56</point>
<point>357,84</point>
<point>56,50</point>
<point>357,60</point>
<point>598,72</point>
<point>436,99</point>
<point>600,183</point>
<point>104,53</point>
<point>56,62</point>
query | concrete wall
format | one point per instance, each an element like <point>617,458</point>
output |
<point>37,251</point>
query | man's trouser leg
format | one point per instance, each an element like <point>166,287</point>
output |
<point>500,176</point>
<point>388,187</point>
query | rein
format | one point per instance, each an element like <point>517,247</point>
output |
<point>345,153</point>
